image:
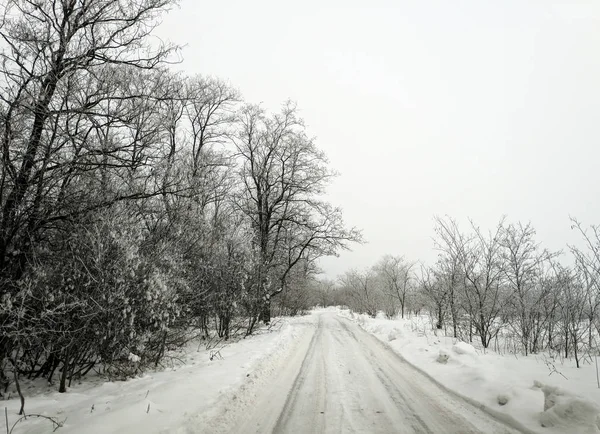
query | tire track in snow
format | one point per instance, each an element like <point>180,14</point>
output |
<point>337,378</point>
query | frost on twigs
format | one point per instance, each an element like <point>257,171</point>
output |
<point>275,325</point>
<point>549,362</point>
<point>215,355</point>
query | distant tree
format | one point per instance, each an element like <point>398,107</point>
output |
<point>324,290</point>
<point>587,259</point>
<point>523,262</point>
<point>396,277</point>
<point>484,279</point>
<point>362,292</point>
<point>448,241</point>
<point>482,272</point>
<point>436,293</point>
<point>572,293</point>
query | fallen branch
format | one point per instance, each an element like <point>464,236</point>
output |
<point>56,424</point>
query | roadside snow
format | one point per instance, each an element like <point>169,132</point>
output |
<point>169,401</point>
<point>533,394</point>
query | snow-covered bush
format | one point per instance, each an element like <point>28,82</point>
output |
<point>94,302</point>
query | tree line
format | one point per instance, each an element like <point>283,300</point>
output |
<point>138,203</point>
<point>489,285</point>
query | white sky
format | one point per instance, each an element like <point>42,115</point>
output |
<point>467,108</point>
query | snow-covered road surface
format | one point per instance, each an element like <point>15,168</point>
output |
<point>340,379</point>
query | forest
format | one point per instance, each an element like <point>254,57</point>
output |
<point>140,207</point>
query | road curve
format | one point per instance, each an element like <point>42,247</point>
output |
<point>344,380</point>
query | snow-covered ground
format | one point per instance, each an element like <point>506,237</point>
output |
<point>178,399</point>
<point>533,393</point>
<point>327,373</point>
<point>343,380</point>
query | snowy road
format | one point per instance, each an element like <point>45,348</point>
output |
<point>340,379</point>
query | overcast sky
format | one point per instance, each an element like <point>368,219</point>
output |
<point>467,108</point>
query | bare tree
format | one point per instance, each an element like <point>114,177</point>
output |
<point>53,49</point>
<point>396,276</point>
<point>448,242</point>
<point>523,267</point>
<point>587,260</point>
<point>283,175</point>
<point>481,268</point>
<point>211,114</point>
<point>436,292</point>
<point>572,292</point>
<point>483,271</point>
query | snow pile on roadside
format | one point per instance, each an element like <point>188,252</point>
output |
<point>157,402</point>
<point>462,348</point>
<point>530,393</point>
<point>563,410</point>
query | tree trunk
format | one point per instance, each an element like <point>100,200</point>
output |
<point>440,321</point>
<point>22,398</point>
<point>402,306</point>
<point>470,330</point>
<point>453,313</point>
<point>251,323</point>
<point>62,388</point>
<point>18,385</point>
<point>265,313</point>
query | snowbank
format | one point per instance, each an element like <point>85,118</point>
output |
<point>530,393</point>
<point>562,410</point>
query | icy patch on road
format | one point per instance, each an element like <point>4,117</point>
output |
<point>513,389</point>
